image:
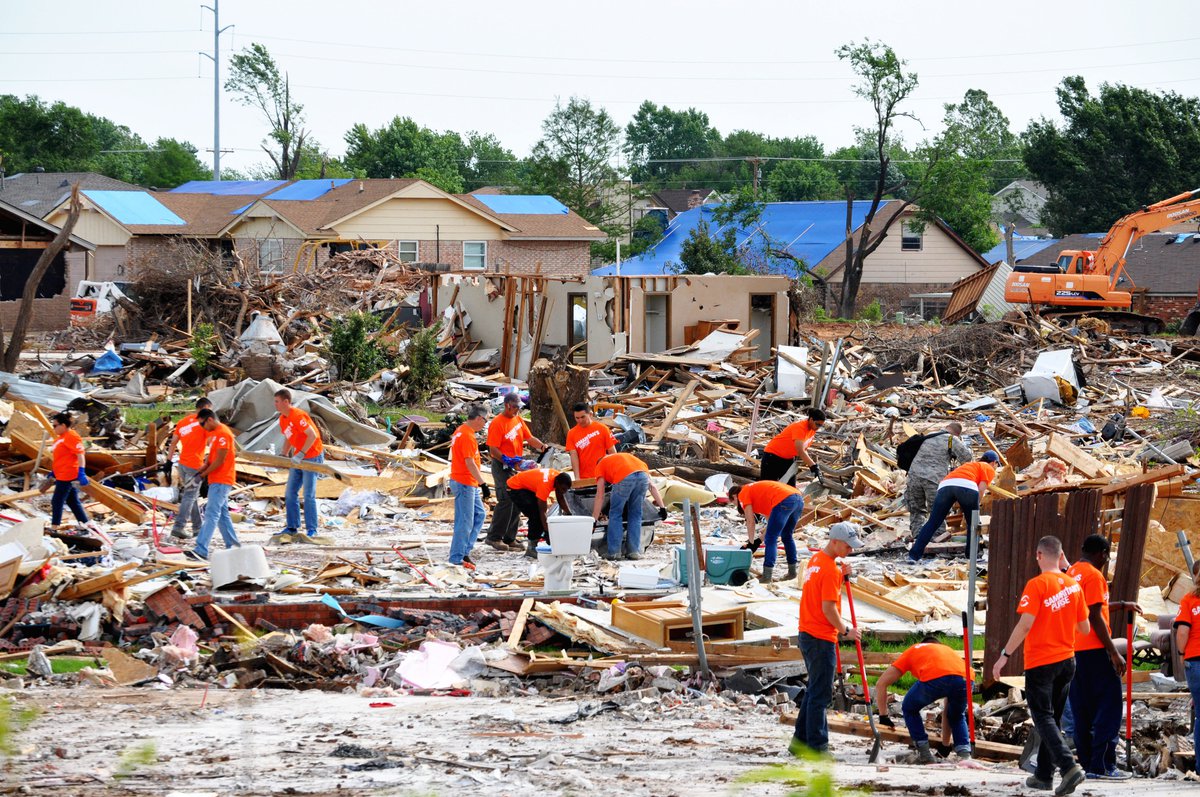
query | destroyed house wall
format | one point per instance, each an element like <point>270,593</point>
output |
<point>692,299</point>
<point>53,310</point>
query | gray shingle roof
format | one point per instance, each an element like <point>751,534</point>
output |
<point>38,193</point>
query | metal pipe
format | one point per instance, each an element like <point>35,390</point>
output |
<point>695,580</point>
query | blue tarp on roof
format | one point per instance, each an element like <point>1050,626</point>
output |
<point>228,187</point>
<point>133,207</point>
<point>1023,247</point>
<point>308,189</point>
<point>807,230</point>
<point>523,205</point>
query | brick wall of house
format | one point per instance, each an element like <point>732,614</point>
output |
<point>558,258</point>
<point>1169,308</point>
<point>248,250</point>
<point>51,314</point>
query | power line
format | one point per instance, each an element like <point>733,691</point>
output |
<point>746,158</point>
<point>93,32</point>
<point>93,79</point>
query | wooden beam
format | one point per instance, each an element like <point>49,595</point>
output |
<point>132,512</point>
<point>518,628</point>
<point>684,395</point>
<point>1062,448</point>
<point>273,461</point>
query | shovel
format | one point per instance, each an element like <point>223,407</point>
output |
<point>167,549</point>
<point>862,671</point>
<point>970,680</point>
<point>1129,695</point>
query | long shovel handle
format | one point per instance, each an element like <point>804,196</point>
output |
<point>1129,694</point>
<point>970,675</point>
<point>862,671</point>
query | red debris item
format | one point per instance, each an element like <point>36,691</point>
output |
<point>382,705</point>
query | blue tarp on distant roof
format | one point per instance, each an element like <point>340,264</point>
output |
<point>524,205</point>
<point>308,189</point>
<point>228,187</point>
<point>133,207</point>
<point>807,230</point>
<point>1023,247</point>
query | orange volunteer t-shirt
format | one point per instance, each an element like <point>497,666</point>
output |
<point>1056,602</point>
<point>784,443</point>
<point>67,449</point>
<point>540,480</point>
<point>508,435</point>
<point>1095,590</point>
<point>464,446</point>
<point>295,426</point>
<point>1189,615</point>
<point>590,444</point>
<point>192,438</point>
<point>615,467</point>
<point>764,496</point>
<point>822,582</point>
<point>973,475</point>
<point>929,660</point>
<point>221,439</point>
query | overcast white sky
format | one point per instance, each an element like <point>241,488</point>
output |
<point>498,67</point>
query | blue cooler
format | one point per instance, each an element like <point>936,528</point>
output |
<point>724,564</point>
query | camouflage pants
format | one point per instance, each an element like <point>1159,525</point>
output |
<point>918,497</point>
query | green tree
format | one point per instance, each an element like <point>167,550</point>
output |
<point>256,82</point>
<point>797,181</point>
<point>57,137</point>
<point>1115,152</point>
<point>660,132</point>
<point>171,163</point>
<point>488,162</point>
<point>403,148</point>
<point>574,162</point>
<point>317,164</point>
<point>708,252</point>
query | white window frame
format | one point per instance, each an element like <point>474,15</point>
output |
<point>481,266</point>
<point>907,233</point>
<point>416,251</point>
<point>274,264</point>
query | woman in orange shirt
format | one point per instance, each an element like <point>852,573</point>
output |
<point>1187,640</point>
<point>68,468</point>
<point>782,506</point>
<point>961,486</point>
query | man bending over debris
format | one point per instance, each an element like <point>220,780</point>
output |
<point>961,486</point>
<point>820,625</point>
<point>68,467</point>
<point>630,479</point>
<point>1052,613</point>
<point>189,437</point>
<point>302,442</point>
<point>792,443</point>
<point>219,469</point>
<point>506,438</point>
<point>529,492</point>
<point>1188,644</point>
<point>782,506</point>
<point>466,484</point>
<point>587,442</point>
<point>1095,694</point>
<point>940,673</point>
<point>930,466</point>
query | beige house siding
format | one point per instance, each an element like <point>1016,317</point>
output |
<point>94,227</point>
<point>419,219</point>
<point>940,260</point>
<point>263,227</point>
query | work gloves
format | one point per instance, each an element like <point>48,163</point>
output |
<point>753,546</point>
<point>487,491</point>
<point>886,721</point>
<point>297,458</point>
<point>512,463</point>
<point>82,478</point>
<point>815,469</point>
<point>662,513</point>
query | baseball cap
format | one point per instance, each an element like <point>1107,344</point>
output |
<point>990,456</point>
<point>846,532</point>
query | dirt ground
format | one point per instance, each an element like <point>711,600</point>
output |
<point>312,743</point>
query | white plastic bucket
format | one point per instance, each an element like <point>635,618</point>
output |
<point>570,535</point>
<point>247,563</point>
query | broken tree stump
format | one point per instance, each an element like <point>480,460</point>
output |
<point>554,387</point>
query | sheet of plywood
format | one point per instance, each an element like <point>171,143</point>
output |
<point>1062,448</point>
<point>332,488</point>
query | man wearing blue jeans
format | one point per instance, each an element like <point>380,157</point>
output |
<point>962,486</point>
<point>302,443</point>
<point>782,505</point>
<point>630,480</point>
<point>940,673</point>
<point>467,487</point>
<point>219,469</point>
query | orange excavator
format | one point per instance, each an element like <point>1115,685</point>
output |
<point>1085,283</point>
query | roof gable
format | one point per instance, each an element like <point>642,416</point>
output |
<point>39,193</point>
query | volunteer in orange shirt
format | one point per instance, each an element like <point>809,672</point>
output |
<point>190,439</point>
<point>587,442</point>
<point>530,491</point>
<point>220,470</point>
<point>506,438</point>
<point>941,673</point>
<point>820,626</point>
<point>630,479</point>
<point>1095,695</point>
<point>466,485</point>
<point>68,468</point>
<point>791,444</point>
<point>781,505</point>
<point>961,486</point>
<point>1187,641</point>
<point>302,442</point>
<point>1052,614</point>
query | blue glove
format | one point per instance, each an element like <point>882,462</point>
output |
<point>82,478</point>
<point>512,463</point>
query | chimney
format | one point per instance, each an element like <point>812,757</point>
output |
<point>361,187</point>
<point>694,200</point>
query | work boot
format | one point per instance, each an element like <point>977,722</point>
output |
<point>1070,779</point>
<point>180,534</point>
<point>531,551</point>
<point>633,556</point>
<point>963,752</point>
<point>924,754</point>
<point>768,574</point>
<point>499,545</point>
<point>791,571</point>
<point>1034,782</point>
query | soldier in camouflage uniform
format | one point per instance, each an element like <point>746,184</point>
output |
<point>929,467</point>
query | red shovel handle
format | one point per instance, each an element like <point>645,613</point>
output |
<point>1129,682</point>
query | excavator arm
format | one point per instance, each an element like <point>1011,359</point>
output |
<point>1110,255</point>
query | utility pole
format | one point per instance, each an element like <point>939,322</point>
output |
<point>215,8</point>
<point>756,173</point>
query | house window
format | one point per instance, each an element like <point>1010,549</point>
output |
<point>474,255</point>
<point>406,251</point>
<point>910,239</point>
<point>270,255</point>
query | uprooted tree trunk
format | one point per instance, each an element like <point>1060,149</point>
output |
<point>554,387</point>
<point>16,338</point>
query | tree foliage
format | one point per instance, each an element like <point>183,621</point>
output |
<point>1115,152</point>
<point>256,82</point>
<point>660,132</point>
<point>710,252</point>
<point>574,161</point>
<point>403,148</point>
<point>798,181</point>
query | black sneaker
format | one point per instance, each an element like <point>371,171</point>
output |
<point>194,556</point>
<point>1070,779</point>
